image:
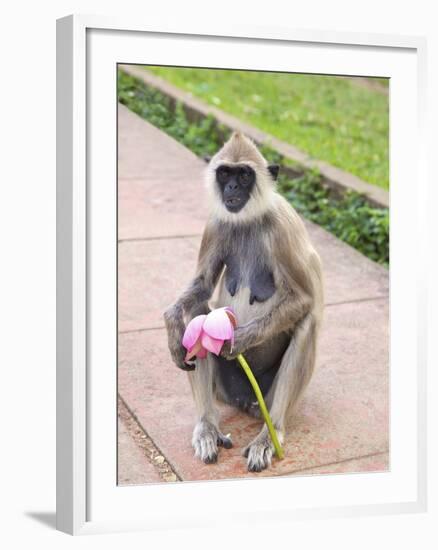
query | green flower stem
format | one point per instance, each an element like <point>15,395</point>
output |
<point>263,408</point>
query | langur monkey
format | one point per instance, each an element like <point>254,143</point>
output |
<point>256,257</point>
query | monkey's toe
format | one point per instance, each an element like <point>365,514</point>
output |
<point>210,459</point>
<point>259,456</point>
<point>206,440</point>
<point>224,441</point>
<point>260,451</point>
<point>206,449</point>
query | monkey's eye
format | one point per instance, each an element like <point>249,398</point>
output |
<point>246,176</point>
<point>223,174</point>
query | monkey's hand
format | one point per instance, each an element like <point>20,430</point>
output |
<point>178,354</point>
<point>175,330</point>
<point>241,344</point>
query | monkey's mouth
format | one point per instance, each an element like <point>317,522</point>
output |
<point>233,203</point>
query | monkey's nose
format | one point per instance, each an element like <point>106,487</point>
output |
<point>232,186</point>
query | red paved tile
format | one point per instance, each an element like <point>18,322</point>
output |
<point>367,464</point>
<point>152,274</point>
<point>348,275</point>
<point>343,415</point>
<point>156,208</point>
<point>142,149</point>
<point>133,467</point>
<point>160,183</point>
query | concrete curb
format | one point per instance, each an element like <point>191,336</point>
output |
<point>335,178</point>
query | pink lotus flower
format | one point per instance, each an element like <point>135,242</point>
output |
<point>209,332</point>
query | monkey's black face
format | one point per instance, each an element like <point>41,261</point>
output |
<point>236,184</point>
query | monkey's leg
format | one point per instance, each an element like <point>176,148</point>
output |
<point>206,436</point>
<point>292,378</point>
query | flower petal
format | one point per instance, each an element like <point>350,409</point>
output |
<point>231,315</point>
<point>202,353</point>
<point>212,344</point>
<point>218,324</point>
<point>193,331</point>
<point>195,350</point>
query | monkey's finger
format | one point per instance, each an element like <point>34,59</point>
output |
<point>187,366</point>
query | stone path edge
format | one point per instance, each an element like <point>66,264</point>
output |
<point>165,470</point>
<point>334,177</point>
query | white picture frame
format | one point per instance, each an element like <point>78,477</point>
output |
<point>88,49</point>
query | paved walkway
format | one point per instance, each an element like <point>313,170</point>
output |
<point>342,423</point>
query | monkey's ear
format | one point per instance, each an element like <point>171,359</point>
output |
<point>274,169</point>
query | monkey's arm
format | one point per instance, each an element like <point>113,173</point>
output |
<point>282,318</point>
<point>194,300</point>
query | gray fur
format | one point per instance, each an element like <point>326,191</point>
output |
<point>261,263</point>
<point>206,436</point>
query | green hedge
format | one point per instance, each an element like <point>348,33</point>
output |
<point>350,218</point>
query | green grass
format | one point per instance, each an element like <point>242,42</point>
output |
<point>331,119</point>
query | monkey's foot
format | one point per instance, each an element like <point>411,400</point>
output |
<point>259,452</point>
<point>206,440</point>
